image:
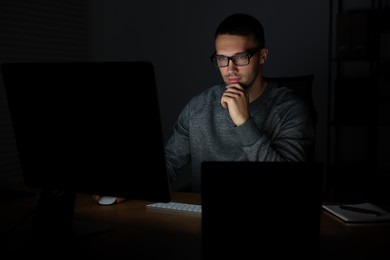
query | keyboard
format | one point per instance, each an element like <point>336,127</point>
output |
<point>176,207</point>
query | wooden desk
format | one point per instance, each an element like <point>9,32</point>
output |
<point>128,229</point>
<point>146,233</point>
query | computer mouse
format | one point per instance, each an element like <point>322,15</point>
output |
<point>107,200</point>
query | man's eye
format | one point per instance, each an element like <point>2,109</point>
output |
<point>241,57</point>
<point>221,58</point>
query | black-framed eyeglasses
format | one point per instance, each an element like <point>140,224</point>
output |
<point>241,59</point>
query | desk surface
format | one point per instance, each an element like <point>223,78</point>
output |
<point>151,234</point>
<point>129,229</point>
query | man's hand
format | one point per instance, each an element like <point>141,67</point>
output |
<point>236,100</point>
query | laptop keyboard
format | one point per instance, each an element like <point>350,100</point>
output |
<point>176,206</point>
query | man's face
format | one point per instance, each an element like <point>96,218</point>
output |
<point>237,48</point>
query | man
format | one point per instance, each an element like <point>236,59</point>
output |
<point>246,118</point>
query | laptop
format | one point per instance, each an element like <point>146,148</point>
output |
<point>260,210</point>
<point>89,127</point>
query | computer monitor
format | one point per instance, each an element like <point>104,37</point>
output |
<point>88,127</point>
<point>261,208</point>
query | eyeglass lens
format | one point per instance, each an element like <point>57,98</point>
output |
<point>238,59</point>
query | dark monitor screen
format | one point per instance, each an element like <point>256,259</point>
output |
<point>88,127</point>
<point>278,202</point>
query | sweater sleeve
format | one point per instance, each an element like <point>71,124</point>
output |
<point>177,148</point>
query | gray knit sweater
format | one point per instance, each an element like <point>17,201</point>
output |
<point>279,129</point>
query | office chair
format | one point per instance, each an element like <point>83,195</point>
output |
<point>302,85</point>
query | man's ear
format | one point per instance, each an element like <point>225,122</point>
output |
<point>263,55</point>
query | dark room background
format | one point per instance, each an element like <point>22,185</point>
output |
<point>176,36</point>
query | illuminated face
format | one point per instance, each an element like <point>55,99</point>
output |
<point>239,59</point>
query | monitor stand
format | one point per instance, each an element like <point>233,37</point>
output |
<point>55,227</point>
<point>54,213</point>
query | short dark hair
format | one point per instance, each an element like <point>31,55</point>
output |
<point>244,25</point>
